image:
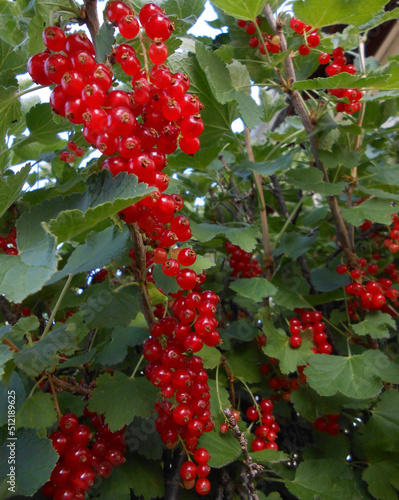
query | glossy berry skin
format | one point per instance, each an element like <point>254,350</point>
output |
<point>252,413</point>
<point>202,486</point>
<point>158,27</point>
<point>295,342</point>
<point>116,10</point>
<point>36,69</point>
<point>188,471</point>
<point>68,423</point>
<point>201,455</point>
<point>54,38</point>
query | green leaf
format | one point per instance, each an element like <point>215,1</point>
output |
<point>375,325</point>
<point>118,485</point>
<point>99,250</point>
<point>122,398</point>
<point>343,80</point>
<point>383,480</point>
<point>104,41</point>
<point>266,457</point>
<point>5,355</point>
<point>146,478</point>
<point>241,330</point>
<point>41,125</point>
<point>35,459</point>
<point>381,433</point>
<point>353,376</point>
<point>319,13</point>
<point>311,179</point>
<point>245,237</point>
<point>223,448</point>
<point>278,346</point>
<point>156,296</point>
<point>249,111</point>
<point>12,61</point>
<point>323,479</point>
<point>326,280</point>
<point>266,167</point>
<point>372,209</point>
<point>294,245</point>
<point>38,412</point>
<point>10,109</point>
<point>122,338</point>
<point>104,197</point>
<point>217,73</point>
<point>210,357</point>
<point>244,362</point>
<point>24,326</point>
<point>33,360</point>
<point>188,12</point>
<point>14,383</point>
<point>110,308</point>
<point>143,438</point>
<point>240,10</point>
<point>167,284</point>
<point>254,288</point>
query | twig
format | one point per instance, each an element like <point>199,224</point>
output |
<point>90,16</point>
<point>278,194</point>
<point>10,344</point>
<point>6,309</point>
<point>252,468</point>
<point>70,387</point>
<point>57,305</point>
<point>341,229</point>
<point>269,263</point>
<point>53,392</point>
<point>172,475</point>
<point>140,252</point>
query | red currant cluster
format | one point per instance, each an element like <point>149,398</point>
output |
<point>242,263</point>
<point>267,428</point>
<point>78,465</point>
<point>8,244</point>
<point>184,379</point>
<point>189,471</point>
<point>328,424</point>
<point>312,321</point>
<point>268,43</point>
<point>74,151</point>
<point>338,65</point>
<point>283,386</point>
<point>372,295</point>
<point>312,39</point>
<point>392,243</point>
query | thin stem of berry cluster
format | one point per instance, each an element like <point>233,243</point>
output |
<point>57,305</point>
<point>342,230</point>
<point>54,393</point>
<point>262,209</point>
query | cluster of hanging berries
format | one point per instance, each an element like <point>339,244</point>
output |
<point>184,379</point>
<point>73,152</point>
<point>82,457</point>
<point>189,472</point>
<point>313,321</point>
<point>371,295</point>
<point>337,63</point>
<point>328,424</point>
<point>392,242</point>
<point>82,93</point>
<point>8,244</point>
<point>266,429</point>
<point>312,38</point>
<point>268,43</point>
<point>242,263</point>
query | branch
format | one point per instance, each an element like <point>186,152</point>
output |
<point>90,17</point>
<point>278,194</point>
<point>172,475</point>
<point>140,252</point>
<point>69,387</point>
<point>10,344</point>
<point>6,309</point>
<point>252,468</point>
<point>269,263</point>
<point>341,229</point>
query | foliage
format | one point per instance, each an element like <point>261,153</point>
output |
<point>283,190</point>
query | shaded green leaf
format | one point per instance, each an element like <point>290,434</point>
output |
<point>254,288</point>
<point>122,398</point>
<point>372,209</point>
<point>375,325</point>
<point>38,412</point>
<point>104,41</point>
<point>10,109</point>
<point>241,10</point>
<point>324,13</point>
